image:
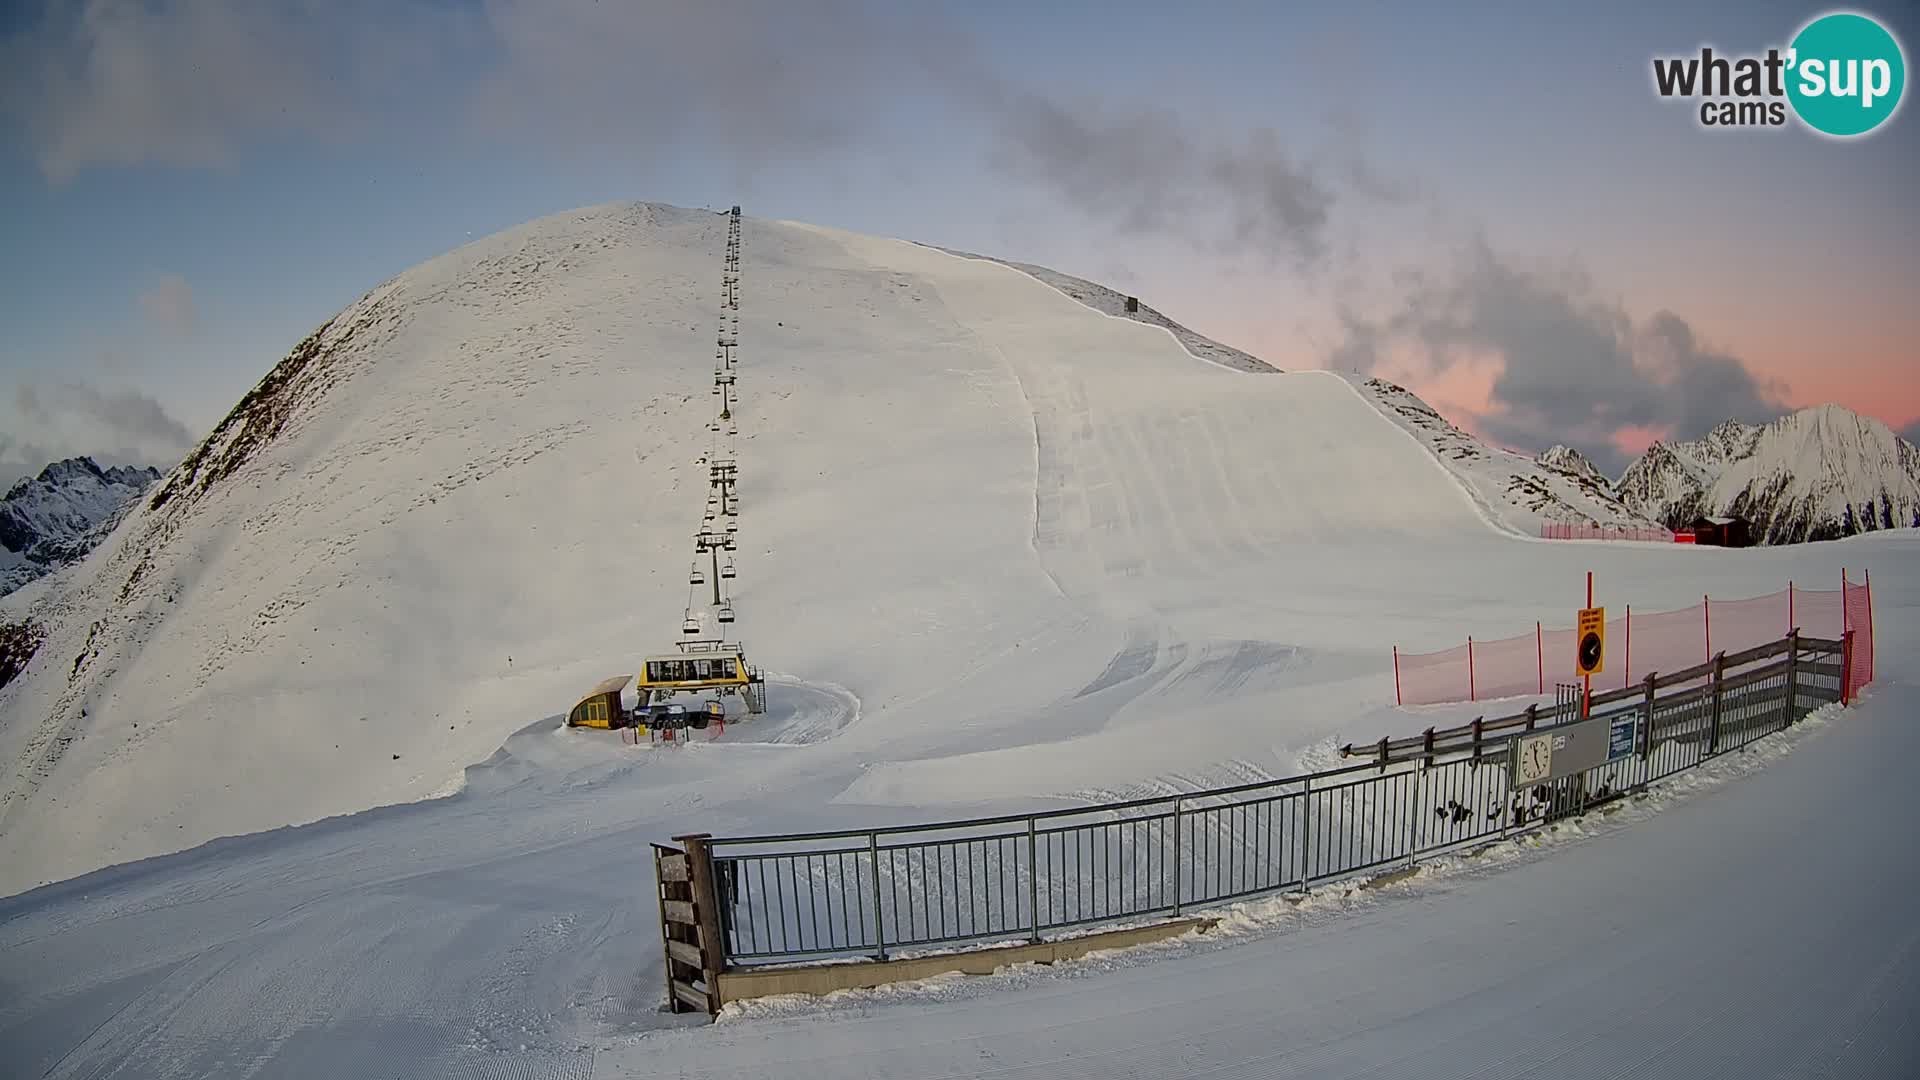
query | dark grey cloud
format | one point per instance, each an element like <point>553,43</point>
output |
<point>1911,433</point>
<point>1143,171</point>
<point>1576,369</point>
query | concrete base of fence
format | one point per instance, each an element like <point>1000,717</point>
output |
<point>826,978</point>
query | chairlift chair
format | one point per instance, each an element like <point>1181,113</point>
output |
<point>726,612</point>
<point>698,576</point>
<point>691,625</point>
<point>726,569</point>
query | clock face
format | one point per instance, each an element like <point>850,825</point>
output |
<point>1535,759</point>
<point>1590,652</point>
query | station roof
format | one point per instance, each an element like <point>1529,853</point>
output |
<point>606,686</point>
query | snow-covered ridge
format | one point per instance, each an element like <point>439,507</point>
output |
<point>1111,302</point>
<point>53,519</point>
<point>1816,474</point>
<point>1573,462</point>
<point>1518,492</point>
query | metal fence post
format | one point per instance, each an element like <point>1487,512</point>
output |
<point>1033,877</point>
<point>1719,674</point>
<point>879,921</point>
<point>1646,735</point>
<point>1176,857</point>
<point>1306,834</point>
<point>1413,817</point>
<point>1793,676</point>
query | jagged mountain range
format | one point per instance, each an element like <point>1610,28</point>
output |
<point>53,519</point>
<point>1817,474</point>
<point>1517,492</point>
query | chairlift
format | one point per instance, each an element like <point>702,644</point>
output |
<point>698,576</point>
<point>726,612</point>
<point>691,625</point>
<point>733,523</point>
<point>726,569</point>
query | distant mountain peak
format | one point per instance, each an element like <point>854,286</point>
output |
<point>1570,461</point>
<point>1520,493</point>
<point>54,518</point>
<point>1814,474</point>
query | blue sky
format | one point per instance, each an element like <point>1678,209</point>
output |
<point>1487,202</point>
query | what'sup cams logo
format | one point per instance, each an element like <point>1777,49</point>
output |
<point>1843,75</point>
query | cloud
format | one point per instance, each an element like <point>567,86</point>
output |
<point>168,304</point>
<point>193,83</point>
<point>107,83</point>
<point>1145,171</point>
<point>1570,368</point>
<point>70,418</point>
<point>1911,433</point>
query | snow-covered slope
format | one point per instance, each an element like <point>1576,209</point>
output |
<point>1112,302</point>
<point>1816,474</point>
<point>1028,542</point>
<point>469,496</point>
<point>1518,492</point>
<point>1031,552</point>
<point>53,519</point>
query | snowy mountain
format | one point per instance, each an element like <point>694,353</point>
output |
<point>1568,460</point>
<point>1817,474</point>
<point>1004,539</point>
<point>54,519</point>
<point>1518,492</point>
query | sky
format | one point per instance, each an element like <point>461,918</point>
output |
<point>1487,203</point>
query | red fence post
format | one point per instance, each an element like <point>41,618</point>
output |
<point>1396,676</point>
<point>1790,622</point>
<point>1473,693</point>
<point>1846,656</point>
<point>1706,610</point>
<point>1539,656</point>
<point>1872,671</point>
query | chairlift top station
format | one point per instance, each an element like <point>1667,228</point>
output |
<point>704,665</point>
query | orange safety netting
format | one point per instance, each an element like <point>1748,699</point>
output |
<point>1639,644</point>
<point>1563,530</point>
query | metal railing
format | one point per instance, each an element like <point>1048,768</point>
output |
<point>876,892</point>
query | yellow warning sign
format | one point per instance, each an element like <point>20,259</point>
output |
<point>1590,657</point>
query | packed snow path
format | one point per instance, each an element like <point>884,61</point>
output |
<point>1755,928</point>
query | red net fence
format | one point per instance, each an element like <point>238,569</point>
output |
<point>1639,643</point>
<point>1561,530</point>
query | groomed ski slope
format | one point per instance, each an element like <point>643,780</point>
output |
<point>1048,553</point>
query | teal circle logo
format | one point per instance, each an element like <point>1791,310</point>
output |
<point>1846,74</point>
